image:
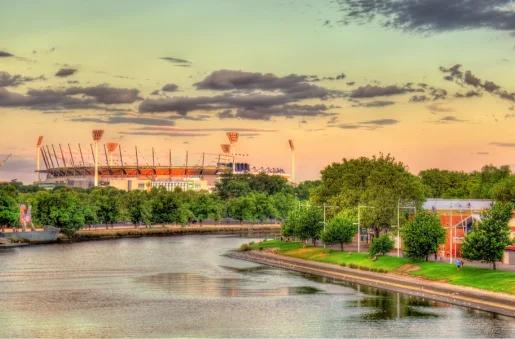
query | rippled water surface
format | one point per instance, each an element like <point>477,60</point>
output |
<point>186,287</point>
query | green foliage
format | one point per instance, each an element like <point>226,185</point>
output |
<point>60,209</point>
<point>340,230</point>
<point>8,209</point>
<point>422,236</point>
<point>382,244</point>
<point>490,236</point>
<point>244,247</point>
<point>303,190</point>
<point>309,225</point>
<point>138,207</point>
<point>380,182</point>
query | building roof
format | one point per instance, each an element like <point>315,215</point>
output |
<point>457,204</point>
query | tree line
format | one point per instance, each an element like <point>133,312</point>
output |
<point>242,197</point>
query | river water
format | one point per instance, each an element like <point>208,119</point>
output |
<point>186,287</point>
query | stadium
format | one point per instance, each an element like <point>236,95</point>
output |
<point>62,165</point>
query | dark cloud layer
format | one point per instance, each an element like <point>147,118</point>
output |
<point>170,88</point>
<point>370,124</point>
<point>426,16</point>
<point>4,54</point>
<point>64,72</point>
<point>244,97</point>
<point>49,99</point>
<point>177,62</point>
<point>371,91</point>
<point>126,120</point>
<point>7,80</point>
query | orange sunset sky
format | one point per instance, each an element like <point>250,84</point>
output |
<point>430,82</point>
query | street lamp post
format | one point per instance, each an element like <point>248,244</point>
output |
<point>359,229</point>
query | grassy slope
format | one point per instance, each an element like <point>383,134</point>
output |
<point>496,281</point>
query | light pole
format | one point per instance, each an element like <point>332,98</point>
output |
<point>38,147</point>
<point>359,229</point>
<point>292,147</point>
<point>233,139</point>
<point>325,206</point>
<point>97,135</point>
<point>399,225</point>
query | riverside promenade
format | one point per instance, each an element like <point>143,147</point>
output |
<point>500,303</point>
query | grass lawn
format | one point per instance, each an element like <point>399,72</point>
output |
<point>486,279</point>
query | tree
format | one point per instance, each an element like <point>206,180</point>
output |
<point>8,209</point>
<point>283,203</point>
<point>340,230</point>
<point>309,225</point>
<point>61,209</point>
<point>291,223</point>
<point>303,190</point>
<point>242,208</point>
<point>265,208</point>
<point>380,182</point>
<point>490,236</point>
<point>422,236</point>
<point>382,244</point>
<point>108,203</point>
<point>138,207</point>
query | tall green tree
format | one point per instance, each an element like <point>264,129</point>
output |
<point>340,230</point>
<point>291,223</point>
<point>60,209</point>
<point>422,236</point>
<point>108,203</point>
<point>138,207</point>
<point>379,182</point>
<point>489,238</point>
<point>8,209</point>
<point>243,208</point>
<point>303,190</point>
<point>310,225</point>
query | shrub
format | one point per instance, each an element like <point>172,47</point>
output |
<point>364,268</point>
<point>260,248</point>
<point>343,264</point>
<point>353,266</point>
<point>382,244</point>
<point>251,243</point>
<point>244,247</point>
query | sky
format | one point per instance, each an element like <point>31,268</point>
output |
<point>428,81</point>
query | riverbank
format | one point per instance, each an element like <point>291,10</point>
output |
<point>117,233</point>
<point>391,279</point>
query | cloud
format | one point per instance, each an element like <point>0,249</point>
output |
<point>214,129</point>
<point>4,54</point>
<point>352,83</point>
<point>156,92</point>
<point>379,103</point>
<point>482,153</point>
<point>6,80</point>
<point>126,120</point>
<point>469,94</point>
<point>370,124</point>
<point>430,16</point>
<point>503,144</point>
<point>107,95</point>
<point>166,134</point>
<point>439,108</point>
<point>371,91</point>
<point>49,99</point>
<point>170,88</point>
<point>448,120</point>
<point>177,62</point>
<point>64,72</point>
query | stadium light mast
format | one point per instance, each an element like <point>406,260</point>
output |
<point>233,139</point>
<point>38,151</point>
<point>111,148</point>
<point>292,147</point>
<point>97,135</point>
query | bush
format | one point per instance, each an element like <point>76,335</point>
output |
<point>260,248</point>
<point>364,268</point>
<point>343,264</point>
<point>244,247</point>
<point>382,244</point>
<point>353,266</point>
<point>251,243</point>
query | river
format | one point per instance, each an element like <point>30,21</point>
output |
<point>185,286</point>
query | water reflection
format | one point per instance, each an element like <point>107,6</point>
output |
<point>188,284</point>
<point>186,287</point>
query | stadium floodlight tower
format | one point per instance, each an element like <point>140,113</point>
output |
<point>38,151</point>
<point>233,139</point>
<point>226,148</point>
<point>292,147</point>
<point>97,135</point>
<point>111,148</point>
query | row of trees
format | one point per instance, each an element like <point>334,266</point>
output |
<point>244,198</point>
<point>422,236</point>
